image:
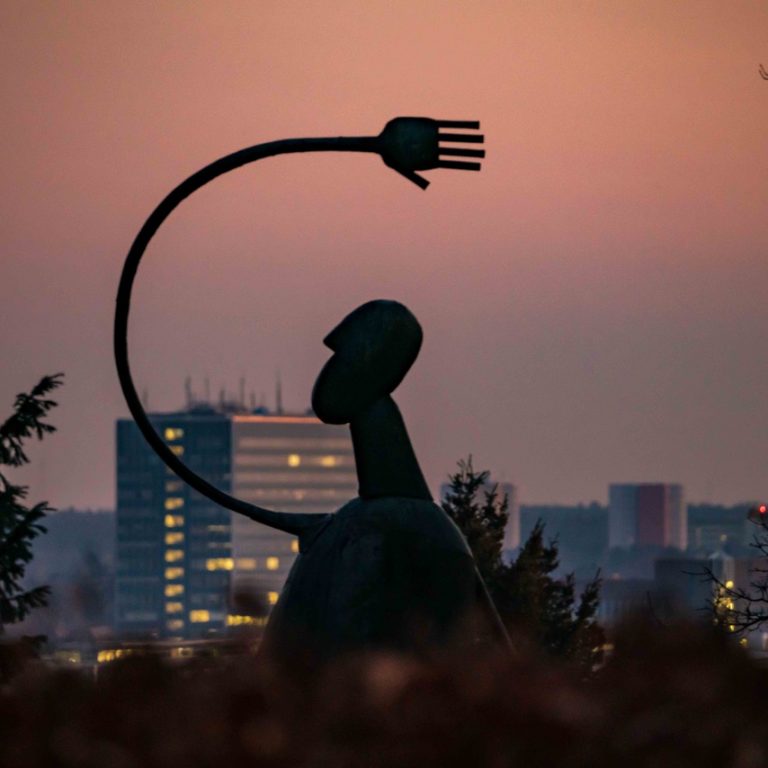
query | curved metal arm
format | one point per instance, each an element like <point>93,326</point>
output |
<point>406,144</point>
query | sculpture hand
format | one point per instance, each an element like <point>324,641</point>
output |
<point>409,144</point>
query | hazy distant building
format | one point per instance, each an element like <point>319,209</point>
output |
<point>622,599</point>
<point>685,588</point>
<point>291,464</point>
<point>75,557</point>
<point>647,515</point>
<point>581,532</point>
<point>715,526</point>
<point>181,558</point>
<point>512,530</point>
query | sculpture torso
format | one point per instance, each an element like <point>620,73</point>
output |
<point>391,572</point>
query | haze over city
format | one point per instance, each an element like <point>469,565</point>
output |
<point>593,301</point>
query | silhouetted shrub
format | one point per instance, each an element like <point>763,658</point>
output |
<point>673,697</point>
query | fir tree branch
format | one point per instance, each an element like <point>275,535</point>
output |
<point>27,420</point>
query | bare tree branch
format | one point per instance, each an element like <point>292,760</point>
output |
<point>742,610</point>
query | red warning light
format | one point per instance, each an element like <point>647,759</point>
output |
<point>762,509</point>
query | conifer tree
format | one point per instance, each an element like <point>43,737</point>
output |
<point>530,600</point>
<point>20,524</point>
<point>481,516</point>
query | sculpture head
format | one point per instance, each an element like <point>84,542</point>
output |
<point>374,347</point>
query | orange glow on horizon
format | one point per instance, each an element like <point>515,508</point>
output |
<point>252,419</point>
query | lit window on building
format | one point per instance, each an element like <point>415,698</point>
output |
<point>199,617</point>
<point>246,563</point>
<point>177,449</point>
<point>328,461</point>
<point>174,538</point>
<point>174,521</point>
<point>219,564</point>
<point>294,460</point>
<point>173,486</point>
<point>272,597</point>
<point>175,625</point>
<point>273,563</point>
<point>174,555</point>
<point>173,433</point>
<point>236,620</point>
<point>295,546</point>
<point>171,574</point>
<point>174,607</point>
<point>174,502</point>
<point>174,590</point>
<point>109,654</point>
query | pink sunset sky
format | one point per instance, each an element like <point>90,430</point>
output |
<point>595,301</point>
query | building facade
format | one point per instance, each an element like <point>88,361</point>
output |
<point>290,464</point>
<point>647,515</point>
<point>173,546</point>
<point>185,567</point>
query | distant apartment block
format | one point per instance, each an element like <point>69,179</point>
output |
<point>181,558</point>
<point>712,527</point>
<point>647,514</point>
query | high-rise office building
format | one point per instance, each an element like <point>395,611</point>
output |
<point>181,558</point>
<point>647,514</point>
<point>290,464</point>
<point>173,546</point>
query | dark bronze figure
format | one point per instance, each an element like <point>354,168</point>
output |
<point>389,569</point>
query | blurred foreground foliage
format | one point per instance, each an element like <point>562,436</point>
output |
<point>679,696</point>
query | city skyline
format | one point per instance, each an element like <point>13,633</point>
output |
<point>592,301</point>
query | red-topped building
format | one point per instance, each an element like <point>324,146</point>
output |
<point>647,515</point>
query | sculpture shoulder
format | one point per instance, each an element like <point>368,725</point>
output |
<point>401,516</point>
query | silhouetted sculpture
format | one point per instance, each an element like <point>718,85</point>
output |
<point>389,569</point>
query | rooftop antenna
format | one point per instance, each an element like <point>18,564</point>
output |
<point>279,395</point>
<point>207,390</point>
<point>188,391</point>
<point>253,400</point>
<point>242,392</point>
